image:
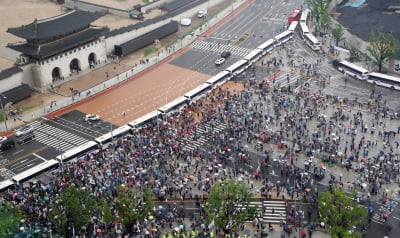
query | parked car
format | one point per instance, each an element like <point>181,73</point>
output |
<point>219,61</point>
<point>202,14</point>
<point>92,117</point>
<point>26,138</point>
<point>24,130</point>
<point>7,144</point>
<point>226,54</point>
<point>3,138</point>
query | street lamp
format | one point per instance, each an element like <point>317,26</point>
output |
<point>2,110</point>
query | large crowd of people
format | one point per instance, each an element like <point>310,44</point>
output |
<point>264,126</point>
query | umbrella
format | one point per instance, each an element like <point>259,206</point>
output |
<point>176,229</point>
<point>151,217</point>
<point>308,190</point>
<point>181,227</point>
<point>303,233</point>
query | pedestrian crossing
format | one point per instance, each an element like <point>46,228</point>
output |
<point>282,80</point>
<point>274,211</point>
<point>256,204</point>
<point>384,210</point>
<point>219,48</point>
<point>55,137</point>
<point>200,136</point>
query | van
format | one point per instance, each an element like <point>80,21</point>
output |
<point>7,144</point>
<point>26,138</point>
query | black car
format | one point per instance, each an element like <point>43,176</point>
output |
<point>26,138</point>
<point>226,54</point>
<point>7,144</point>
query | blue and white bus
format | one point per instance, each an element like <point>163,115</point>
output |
<point>304,28</point>
<point>34,171</point>
<point>283,37</point>
<point>202,89</point>
<point>220,78</point>
<point>78,151</point>
<point>312,41</point>
<point>238,67</point>
<point>384,80</point>
<point>304,15</point>
<point>118,132</point>
<point>267,46</point>
<point>253,56</point>
<point>143,120</point>
<point>293,26</point>
<point>351,69</point>
<point>174,105</point>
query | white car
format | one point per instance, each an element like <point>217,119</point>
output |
<point>3,138</point>
<point>202,14</point>
<point>24,130</point>
<point>92,117</point>
<point>219,61</point>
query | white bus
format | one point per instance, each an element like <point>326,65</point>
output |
<point>34,171</point>
<point>312,41</point>
<point>143,120</point>
<point>238,67</point>
<point>176,104</point>
<point>351,69</point>
<point>220,78</point>
<point>304,15</point>
<point>304,28</point>
<point>267,46</point>
<point>384,80</point>
<point>118,132</point>
<point>6,184</point>
<point>293,26</point>
<point>283,37</point>
<point>200,90</point>
<point>253,56</point>
<point>78,151</point>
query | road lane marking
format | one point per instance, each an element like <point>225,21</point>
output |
<point>23,157</point>
<point>40,157</point>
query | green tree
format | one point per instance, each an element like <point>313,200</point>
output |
<point>319,8</point>
<point>75,208</point>
<point>10,218</point>
<point>340,212</point>
<point>325,21</point>
<point>132,206</point>
<point>222,205</point>
<point>338,33</point>
<point>383,47</point>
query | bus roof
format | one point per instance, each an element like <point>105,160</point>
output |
<point>144,119</point>
<point>115,133</point>
<point>218,77</point>
<point>34,170</point>
<point>172,105</point>
<point>69,154</point>
<point>354,66</point>
<point>197,91</point>
<point>385,76</point>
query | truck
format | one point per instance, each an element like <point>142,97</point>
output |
<point>134,14</point>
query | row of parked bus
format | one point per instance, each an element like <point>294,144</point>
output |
<point>154,116</point>
<point>308,37</point>
<point>361,73</point>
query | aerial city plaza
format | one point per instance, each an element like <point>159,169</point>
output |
<point>195,118</point>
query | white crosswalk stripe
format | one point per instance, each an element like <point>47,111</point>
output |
<point>199,138</point>
<point>274,211</point>
<point>257,205</point>
<point>55,137</point>
<point>281,81</point>
<point>384,209</point>
<point>219,48</point>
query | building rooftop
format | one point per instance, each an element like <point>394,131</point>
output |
<point>59,46</point>
<point>55,27</point>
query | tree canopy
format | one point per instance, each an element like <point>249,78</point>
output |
<point>319,8</point>
<point>10,218</point>
<point>383,47</point>
<point>228,205</point>
<point>338,33</point>
<point>340,212</point>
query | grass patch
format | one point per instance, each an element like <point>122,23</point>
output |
<point>23,109</point>
<point>149,51</point>
<point>146,1</point>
